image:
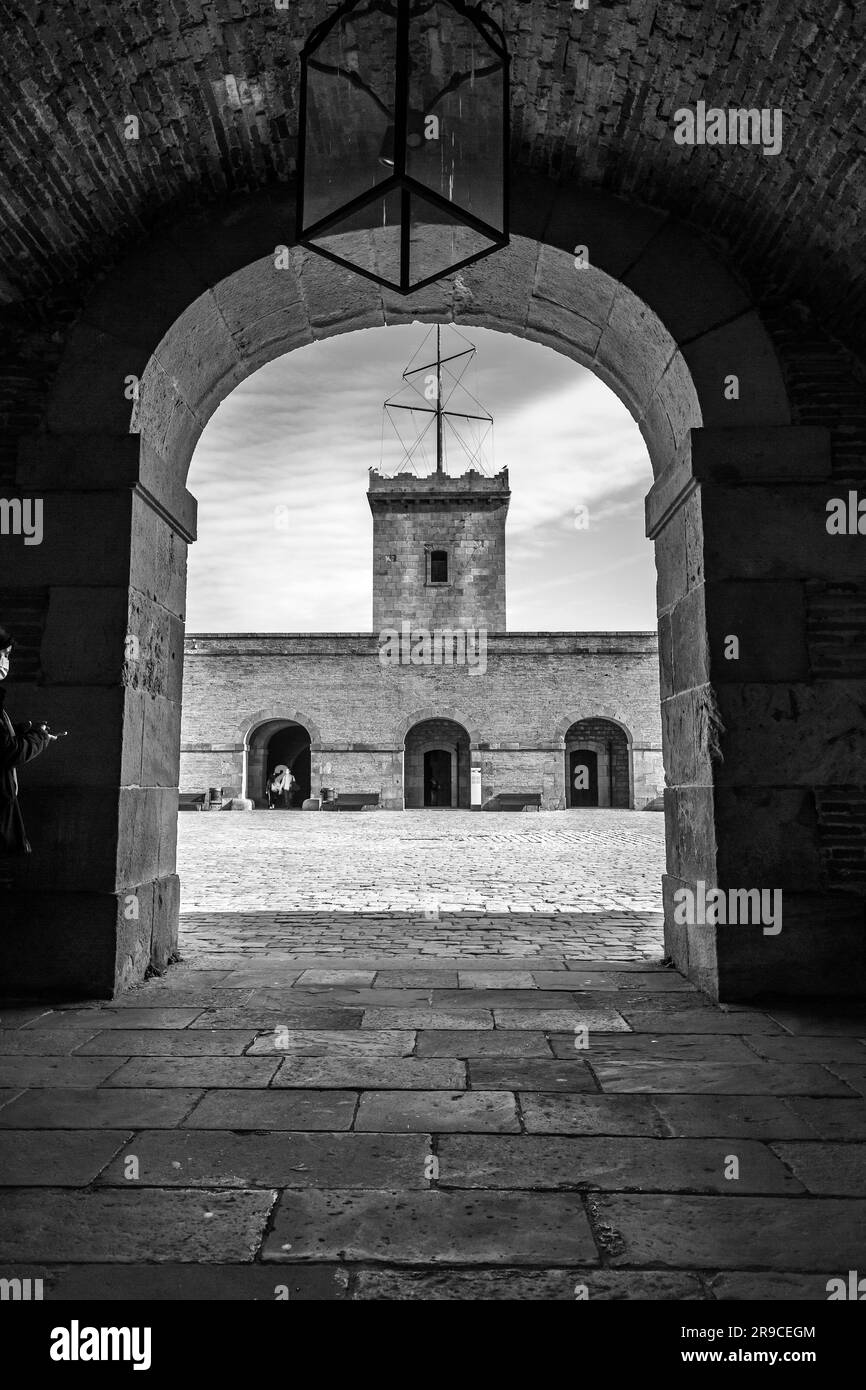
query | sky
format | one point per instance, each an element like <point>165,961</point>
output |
<point>280,474</point>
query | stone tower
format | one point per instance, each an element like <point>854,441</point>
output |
<point>439,550</point>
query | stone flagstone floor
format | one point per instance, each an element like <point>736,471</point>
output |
<point>543,1124</point>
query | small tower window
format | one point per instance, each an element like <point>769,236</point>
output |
<point>438,566</point>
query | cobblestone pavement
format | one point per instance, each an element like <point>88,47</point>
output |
<point>264,1129</point>
<point>422,884</point>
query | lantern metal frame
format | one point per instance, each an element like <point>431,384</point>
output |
<point>400,180</point>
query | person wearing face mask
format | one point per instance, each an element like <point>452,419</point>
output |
<point>18,745</point>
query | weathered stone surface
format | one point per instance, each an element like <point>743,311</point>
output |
<point>164,1042</point>
<point>262,1017</point>
<point>97,1109</point>
<point>127,1016</point>
<point>590,1115</point>
<point>699,1021</point>
<point>721,1078</point>
<point>767,1288</point>
<point>673,1047</point>
<point>465,1042</point>
<point>300,1110</point>
<point>117,1226</point>
<point>186,1158</point>
<point>201,1072</point>
<point>828,1170</point>
<point>830,1119</point>
<point>56,1071</point>
<point>561,1020</point>
<point>427,1018</point>
<point>853,1075</point>
<point>748,1117</point>
<point>825,1022</point>
<point>497,979</point>
<point>808,1048</point>
<point>529,1074</point>
<point>522,1285</point>
<point>200,1283</point>
<point>337,977</point>
<point>372,1073</point>
<point>354,1043</point>
<point>67,1158</point>
<point>784,1233</point>
<point>416,979</point>
<point>431,1228</point>
<point>439,1111</point>
<point>641,1165</point>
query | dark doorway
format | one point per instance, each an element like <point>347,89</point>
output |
<point>283,750</point>
<point>583,777</point>
<point>437,777</point>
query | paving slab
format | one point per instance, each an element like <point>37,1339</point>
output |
<point>260,1019</point>
<point>784,1233</point>
<point>561,1020</point>
<point>45,1042</point>
<point>372,1073</point>
<point>632,982</point>
<point>416,979</point>
<point>63,1158</point>
<point>367,1042</point>
<point>808,1048</point>
<point>497,979</point>
<point>644,1020</point>
<point>558,1113</point>
<point>827,1022</point>
<point>437,1111</point>
<point>166,1042</point>
<point>828,1170</point>
<point>340,997</point>
<point>767,1287</point>
<point>829,1119</point>
<point>14,1016</point>
<point>56,1071</point>
<point>110,1225</point>
<point>853,1075</point>
<point>431,1228</point>
<point>102,1108</point>
<point>202,1283</point>
<point>721,1078</point>
<point>97,1019</point>
<point>529,1074</point>
<point>217,1159</point>
<point>673,1047</point>
<point>337,977</point>
<point>427,1018</point>
<point>525,1285</point>
<point>746,1117</point>
<point>492,998</point>
<point>642,1165</point>
<point>272,1109</point>
<point>199,1072</point>
<point>476,1043</point>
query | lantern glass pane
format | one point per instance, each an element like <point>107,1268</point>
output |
<point>351,76</point>
<point>368,238</point>
<point>438,244</point>
<point>456,111</point>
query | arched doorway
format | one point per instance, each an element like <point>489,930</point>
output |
<point>436,767</point>
<point>278,742</point>
<point>715,455</point>
<point>598,765</point>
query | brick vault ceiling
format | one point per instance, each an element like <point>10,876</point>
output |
<point>215,87</point>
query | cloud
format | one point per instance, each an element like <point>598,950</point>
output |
<point>280,474</point>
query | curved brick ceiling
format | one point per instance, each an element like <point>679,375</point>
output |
<point>215,87</point>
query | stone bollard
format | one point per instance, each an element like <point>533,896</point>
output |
<point>240,803</point>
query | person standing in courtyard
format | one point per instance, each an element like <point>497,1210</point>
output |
<point>19,744</point>
<point>276,785</point>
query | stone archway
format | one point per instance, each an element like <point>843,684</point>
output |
<point>436,781</point>
<point>744,767</point>
<point>607,763</point>
<point>275,742</point>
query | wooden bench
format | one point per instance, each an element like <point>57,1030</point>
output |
<point>513,801</point>
<point>351,801</point>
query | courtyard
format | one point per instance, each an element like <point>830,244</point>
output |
<point>429,1056</point>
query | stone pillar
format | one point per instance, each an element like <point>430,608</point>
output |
<point>97,902</point>
<point>753,743</point>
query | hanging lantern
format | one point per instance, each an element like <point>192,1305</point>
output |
<point>403,170</point>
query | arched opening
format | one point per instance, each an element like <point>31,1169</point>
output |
<point>436,766</point>
<point>597,765</point>
<point>278,743</point>
<point>720,460</point>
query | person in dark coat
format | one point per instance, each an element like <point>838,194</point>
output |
<point>18,744</point>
